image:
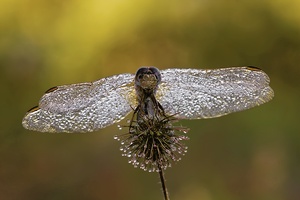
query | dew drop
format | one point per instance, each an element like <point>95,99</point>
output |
<point>119,127</point>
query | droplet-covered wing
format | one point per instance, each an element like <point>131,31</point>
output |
<point>196,93</point>
<point>83,107</point>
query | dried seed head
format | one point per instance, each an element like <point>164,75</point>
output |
<point>153,144</point>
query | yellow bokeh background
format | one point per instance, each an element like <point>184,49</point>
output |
<point>243,156</point>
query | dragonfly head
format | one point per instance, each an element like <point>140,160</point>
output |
<point>147,78</point>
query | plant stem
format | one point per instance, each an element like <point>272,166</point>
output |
<point>163,184</point>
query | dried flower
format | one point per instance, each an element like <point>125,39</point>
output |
<point>153,144</point>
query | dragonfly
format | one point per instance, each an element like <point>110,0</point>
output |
<point>157,99</point>
<point>182,93</point>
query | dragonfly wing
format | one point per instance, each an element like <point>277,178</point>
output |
<point>83,107</point>
<point>196,93</point>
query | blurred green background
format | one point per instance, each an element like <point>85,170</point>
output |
<point>249,155</point>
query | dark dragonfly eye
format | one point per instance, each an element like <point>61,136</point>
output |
<point>140,73</point>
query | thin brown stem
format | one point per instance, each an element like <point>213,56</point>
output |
<point>163,183</point>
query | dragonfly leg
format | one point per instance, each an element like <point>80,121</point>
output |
<point>133,115</point>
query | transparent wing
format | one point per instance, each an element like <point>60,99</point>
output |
<point>196,93</point>
<point>83,107</point>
